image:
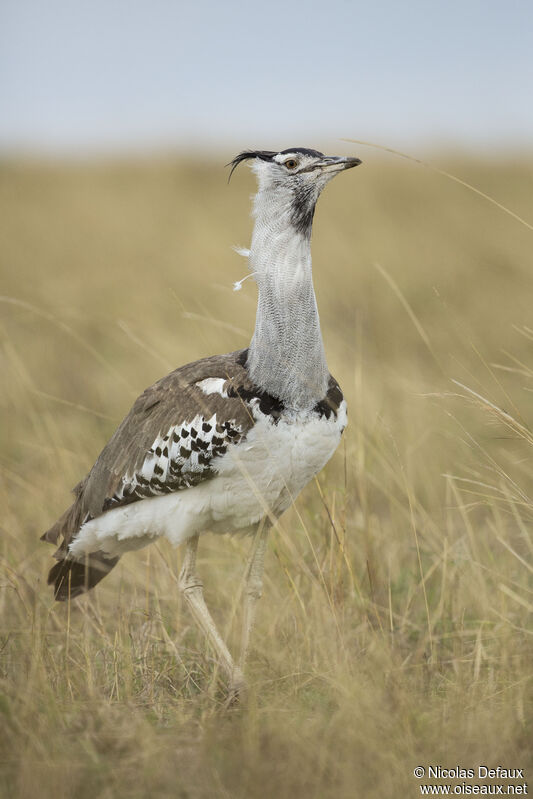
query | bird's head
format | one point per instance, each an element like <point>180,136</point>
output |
<point>292,179</point>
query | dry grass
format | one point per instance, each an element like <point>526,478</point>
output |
<point>393,631</point>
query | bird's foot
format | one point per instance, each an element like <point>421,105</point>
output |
<point>237,689</point>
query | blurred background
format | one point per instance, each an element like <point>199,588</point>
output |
<point>395,626</point>
<point>120,76</point>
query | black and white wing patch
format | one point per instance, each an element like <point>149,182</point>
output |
<point>150,454</point>
<point>183,457</point>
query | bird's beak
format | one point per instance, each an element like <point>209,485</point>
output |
<point>334,163</point>
<point>343,161</point>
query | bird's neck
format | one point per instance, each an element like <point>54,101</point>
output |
<point>286,356</point>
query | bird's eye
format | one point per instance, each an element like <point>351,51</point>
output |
<point>291,163</point>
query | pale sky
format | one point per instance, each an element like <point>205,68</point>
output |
<point>117,75</point>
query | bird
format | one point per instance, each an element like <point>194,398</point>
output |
<point>224,444</point>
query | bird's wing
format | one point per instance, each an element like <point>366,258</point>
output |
<point>169,441</point>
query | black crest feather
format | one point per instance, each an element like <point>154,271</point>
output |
<point>264,155</point>
<point>303,151</point>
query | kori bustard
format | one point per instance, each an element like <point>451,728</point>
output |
<point>226,443</point>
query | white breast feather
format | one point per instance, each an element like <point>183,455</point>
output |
<point>263,473</point>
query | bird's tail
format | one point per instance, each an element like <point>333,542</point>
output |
<point>71,578</point>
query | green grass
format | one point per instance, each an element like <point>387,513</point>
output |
<point>395,625</point>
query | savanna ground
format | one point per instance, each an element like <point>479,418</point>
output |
<point>393,630</point>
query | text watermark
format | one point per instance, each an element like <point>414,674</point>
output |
<point>480,780</point>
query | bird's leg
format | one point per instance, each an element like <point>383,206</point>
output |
<point>192,588</point>
<point>253,587</point>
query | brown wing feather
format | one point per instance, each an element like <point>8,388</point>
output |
<point>173,400</point>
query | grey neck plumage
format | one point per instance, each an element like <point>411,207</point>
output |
<point>286,357</point>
